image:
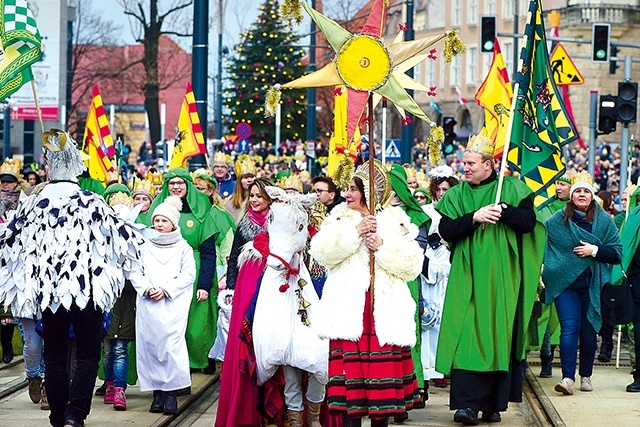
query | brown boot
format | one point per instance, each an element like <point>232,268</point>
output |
<point>44,402</point>
<point>295,418</point>
<point>313,414</point>
<point>35,388</point>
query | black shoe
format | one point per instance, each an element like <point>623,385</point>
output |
<point>70,422</point>
<point>468,417</point>
<point>400,419</point>
<point>351,422</point>
<point>183,391</point>
<point>383,422</point>
<point>170,403</point>
<point>634,387</point>
<point>491,417</point>
<point>195,370</point>
<point>211,369</point>
<point>545,372</point>
<point>605,352</point>
<point>102,390</point>
<point>157,406</point>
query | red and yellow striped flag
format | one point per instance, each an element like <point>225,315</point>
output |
<point>97,141</point>
<point>189,140</point>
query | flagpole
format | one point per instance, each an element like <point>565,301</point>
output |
<point>35,96</point>
<point>372,198</point>
<point>507,142</point>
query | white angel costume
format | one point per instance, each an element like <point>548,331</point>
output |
<point>225,302</point>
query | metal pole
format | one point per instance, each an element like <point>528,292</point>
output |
<point>593,131</point>
<point>112,119</point>
<point>7,130</point>
<point>311,93</point>
<point>516,6</point>
<point>199,69</point>
<point>624,154</point>
<point>383,143</point>
<point>278,123</point>
<point>407,131</point>
<point>218,108</point>
<point>71,16</point>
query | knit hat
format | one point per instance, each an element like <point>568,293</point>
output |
<point>583,180</point>
<point>170,209</point>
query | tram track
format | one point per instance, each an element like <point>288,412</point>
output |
<point>13,386</point>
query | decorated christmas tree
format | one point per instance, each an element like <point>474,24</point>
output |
<point>267,54</point>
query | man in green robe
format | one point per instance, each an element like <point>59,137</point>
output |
<point>201,227</point>
<point>497,252</point>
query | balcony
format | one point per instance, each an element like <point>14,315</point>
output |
<point>624,15</point>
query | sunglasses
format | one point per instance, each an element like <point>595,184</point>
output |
<point>420,196</point>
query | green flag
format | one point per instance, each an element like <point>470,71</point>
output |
<point>20,46</point>
<point>541,125</point>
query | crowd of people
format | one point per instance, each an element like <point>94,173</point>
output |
<point>323,305</point>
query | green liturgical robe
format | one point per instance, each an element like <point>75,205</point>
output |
<point>492,285</point>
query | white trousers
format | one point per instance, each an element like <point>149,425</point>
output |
<point>293,389</point>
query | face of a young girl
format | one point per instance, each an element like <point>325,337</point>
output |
<point>162,224</point>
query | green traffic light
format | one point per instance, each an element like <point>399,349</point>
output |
<point>601,54</point>
<point>488,45</point>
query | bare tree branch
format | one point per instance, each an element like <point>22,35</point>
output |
<point>174,9</point>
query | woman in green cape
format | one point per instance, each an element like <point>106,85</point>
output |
<point>203,228</point>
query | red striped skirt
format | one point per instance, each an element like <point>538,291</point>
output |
<point>368,379</point>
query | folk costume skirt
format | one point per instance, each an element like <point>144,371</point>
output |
<point>366,378</point>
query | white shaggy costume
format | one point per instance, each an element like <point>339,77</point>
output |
<point>338,247</point>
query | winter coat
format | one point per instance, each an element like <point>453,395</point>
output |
<point>123,315</point>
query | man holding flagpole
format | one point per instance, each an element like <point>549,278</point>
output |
<point>497,252</point>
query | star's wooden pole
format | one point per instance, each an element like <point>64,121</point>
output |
<point>372,199</point>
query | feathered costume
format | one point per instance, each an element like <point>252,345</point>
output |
<point>64,245</point>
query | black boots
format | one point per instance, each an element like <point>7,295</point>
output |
<point>467,416</point>
<point>634,387</point>
<point>170,403</point>
<point>605,352</point>
<point>211,369</point>
<point>351,422</point>
<point>6,338</point>
<point>157,407</point>
<point>383,422</point>
<point>545,372</point>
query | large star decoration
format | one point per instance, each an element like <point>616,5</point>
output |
<point>365,64</point>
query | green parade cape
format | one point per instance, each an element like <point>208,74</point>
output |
<point>90,184</point>
<point>413,209</point>
<point>492,285</point>
<point>630,241</point>
<point>196,227</point>
<point>562,266</point>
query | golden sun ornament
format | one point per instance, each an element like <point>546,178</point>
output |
<point>365,64</point>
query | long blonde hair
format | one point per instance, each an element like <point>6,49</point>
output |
<point>239,194</point>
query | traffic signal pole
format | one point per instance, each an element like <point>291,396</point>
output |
<point>593,132</point>
<point>624,155</point>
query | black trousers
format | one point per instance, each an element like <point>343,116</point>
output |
<point>71,401</point>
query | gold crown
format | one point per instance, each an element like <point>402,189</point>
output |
<point>291,183</point>
<point>582,177</point>
<point>245,166</point>
<point>482,145</point>
<point>120,198</point>
<point>11,167</point>
<point>154,177</point>
<point>221,158</point>
<point>305,174</point>
<point>113,177</point>
<point>411,172</point>
<point>144,186</point>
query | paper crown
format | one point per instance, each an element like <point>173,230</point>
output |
<point>144,186</point>
<point>120,198</point>
<point>245,166</point>
<point>205,175</point>
<point>568,176</point>
<point>154,177</point>
<point>305,174</point>
<point>11,167</point>
<point>221,159</point>
<point>411,172</point>
<point>482,145</point>
<point>583,176</point>
<point>291,182</point>
<point>113,176</point>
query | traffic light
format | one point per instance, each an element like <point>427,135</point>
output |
<point>607,116</point>
<point>600,38</point>
<point>627,104</point>
<point>161,153</point>
<point>448,123</point>
<point>613,65</point>
<point>488,33</point>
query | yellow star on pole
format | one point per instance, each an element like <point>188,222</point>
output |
<point>365,64</point>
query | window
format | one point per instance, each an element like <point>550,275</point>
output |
<point>431,73</point>
<point>28,140</point>
<point>507,10</point>
<point>508,56</point>
<point>486,64</point>
<point>491,7</point>
<point>472,65</point>
<point>417,72</point>
<point>455,72</point>
<point>472,17</point>
<point>456,10</point>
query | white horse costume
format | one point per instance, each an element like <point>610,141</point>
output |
<point>281,337</point>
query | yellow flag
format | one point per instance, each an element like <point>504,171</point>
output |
<point>189,140</point>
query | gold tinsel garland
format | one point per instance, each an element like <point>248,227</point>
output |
<point>271,101</point>
<point>453,46</point>
<point>434,142</point>
<point>343,173</point>
<point>291,10</point>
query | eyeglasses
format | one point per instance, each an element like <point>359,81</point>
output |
<point>420,196</point>
<point>176,183</point>
<point>320,191</point>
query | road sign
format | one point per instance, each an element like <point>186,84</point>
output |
<point>563,69</point>
<point>391,150</point>
<point>244,130</point>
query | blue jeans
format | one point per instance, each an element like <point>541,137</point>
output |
<point>116,361</point>
<point>32,349</point>
<point>572,306</point>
